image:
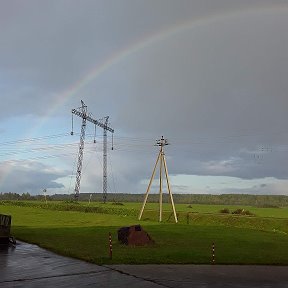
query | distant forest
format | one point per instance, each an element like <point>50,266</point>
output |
<point>224,199</point>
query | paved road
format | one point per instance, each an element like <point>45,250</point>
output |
<point>30,266</point>
<point>202,276</point>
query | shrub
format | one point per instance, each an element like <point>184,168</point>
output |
<point>225,210</point>
<point>242,212</point>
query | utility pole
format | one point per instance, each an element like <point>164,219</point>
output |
<point>161,157</point>
<point>82,113</point>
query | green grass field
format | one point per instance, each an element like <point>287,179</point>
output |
<point>259,239</point>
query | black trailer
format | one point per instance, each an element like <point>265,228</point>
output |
<point>5,225</point>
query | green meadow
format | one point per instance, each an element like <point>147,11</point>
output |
<point>81,230</point>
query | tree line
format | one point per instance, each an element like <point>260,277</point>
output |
<point>223,199</point>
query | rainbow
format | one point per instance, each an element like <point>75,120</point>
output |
<point>158,36</point>
<point>146,42</point>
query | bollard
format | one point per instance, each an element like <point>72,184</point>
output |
<point>110,246</point>
<point>213,253</point>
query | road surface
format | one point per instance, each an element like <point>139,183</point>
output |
<point>28,266</point>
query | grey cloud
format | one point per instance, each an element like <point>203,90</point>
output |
<point>266,189</point>
<point>29,176</point>
<point>221,78</point>
<point>198,84</point>
<point>223,163</point>
<point>49,46</point>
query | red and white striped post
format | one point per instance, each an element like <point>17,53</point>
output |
<point>110,245</point>
<point>213,253</point>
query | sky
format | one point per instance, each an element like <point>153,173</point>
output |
<point>208,75</point>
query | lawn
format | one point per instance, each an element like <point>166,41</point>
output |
<point>238,239</point>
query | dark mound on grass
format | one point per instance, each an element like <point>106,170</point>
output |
<point>134,236</point>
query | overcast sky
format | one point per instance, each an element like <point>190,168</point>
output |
<point>208,75</point>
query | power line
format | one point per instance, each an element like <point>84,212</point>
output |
<point>34,139</point>
<point>125,140</point>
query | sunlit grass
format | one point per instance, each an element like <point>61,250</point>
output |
<point>238,239</point>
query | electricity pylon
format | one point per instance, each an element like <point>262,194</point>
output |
<point>161,157</point>
<point>82,113</point>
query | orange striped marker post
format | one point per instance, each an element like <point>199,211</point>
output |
<point>110,245</point>
<point>213,253</point>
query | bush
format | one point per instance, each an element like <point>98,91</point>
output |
<point>242,212</point>
<point>225,210</point>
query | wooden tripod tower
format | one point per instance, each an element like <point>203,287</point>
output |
<point>161,157</point>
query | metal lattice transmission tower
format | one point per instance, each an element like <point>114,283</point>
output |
<point>105,159</point>
<point>82,113</point>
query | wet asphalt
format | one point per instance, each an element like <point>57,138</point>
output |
<point>27,265</point>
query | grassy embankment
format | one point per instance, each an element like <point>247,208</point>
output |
<point>259,239</point>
